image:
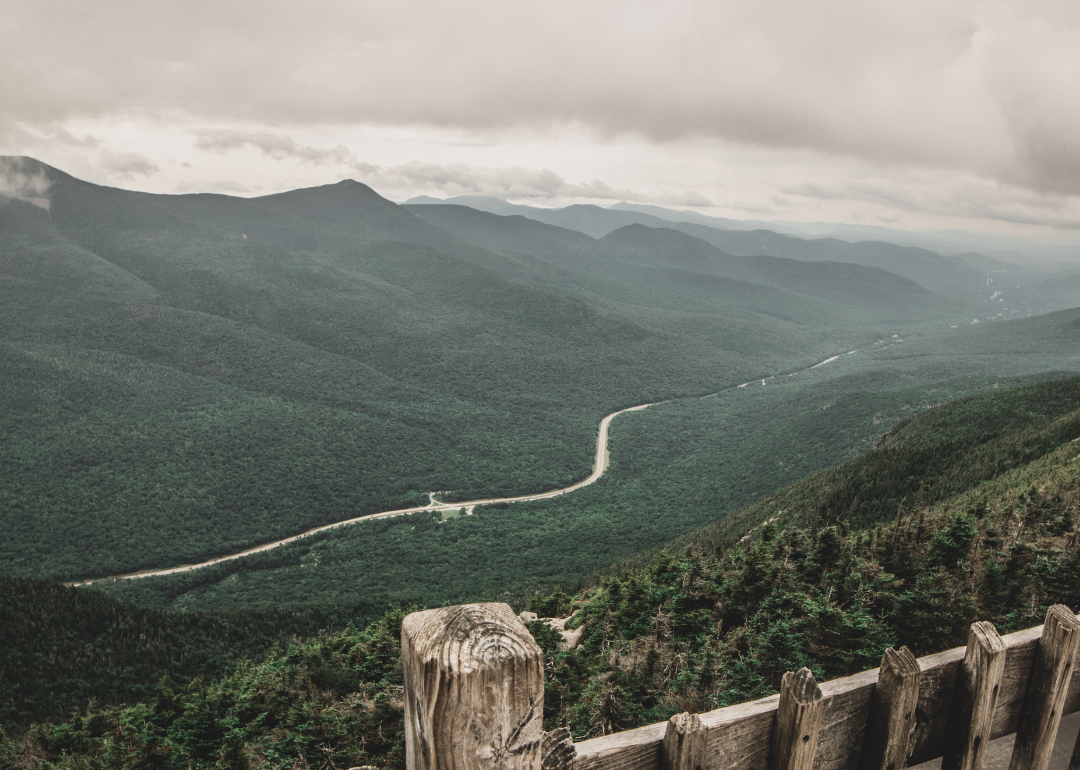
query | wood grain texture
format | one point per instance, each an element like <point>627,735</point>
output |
<point>976,699</point>
<point>626,750</point>
<point>740,735</point>
<point>686,743</point>
<point>798,722</point>
<point>557,750</point>
<point>843,728</point>
<point>892,712</point>
<point>474,690</point>
<point>1047,689</point>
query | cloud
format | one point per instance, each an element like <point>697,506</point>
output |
<point>980,86</point>
<point>218,186</point>
<point>273,146</point>
<point>23,180</point>
<point>408,179</point>
<point>968,197</point>
<point>127,165</point>
<point>513,183</point>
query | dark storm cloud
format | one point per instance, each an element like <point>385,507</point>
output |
<point>985,87</point>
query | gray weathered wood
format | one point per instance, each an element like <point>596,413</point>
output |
<point>977,690</point>
<point>740,735</point>
<point>1047,689</point>
<point>1074,763</point>
<point>685,743</point>
<point>798,722</point>
<point>474,690</point>
<point>557,750</point>
<point>892,712</point>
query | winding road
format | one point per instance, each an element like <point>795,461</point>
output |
<point>600,465</point>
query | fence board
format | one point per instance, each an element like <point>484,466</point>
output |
<point>739,736</point>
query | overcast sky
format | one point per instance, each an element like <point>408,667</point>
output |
<point>910,114</point>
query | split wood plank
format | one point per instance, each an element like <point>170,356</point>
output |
<point>798,722</point>
<point>892,712</point>
<point>685,743</point>
<point>474,690</point>
<point>976,699</point>
<point>1047,689</point>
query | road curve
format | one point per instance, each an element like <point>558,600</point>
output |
<point>600,465</point>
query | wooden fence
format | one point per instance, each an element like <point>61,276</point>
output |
<point>474,698</point>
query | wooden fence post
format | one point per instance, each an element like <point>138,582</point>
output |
<point>474,690</point>
<point>798,722</point>
<point>685,743</point>
<point>977,688</point>
<point>892,712</point>
<point>1046,690</point>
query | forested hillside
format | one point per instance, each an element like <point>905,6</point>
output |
<point>188,376</point>
<point>997,286</point>
<point>674,468</point>
<point>205,373</point>
<point>62,648</point>
<point>713,619</point>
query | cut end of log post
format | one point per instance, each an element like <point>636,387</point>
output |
<point>557,750</point>
<point>474,690</point>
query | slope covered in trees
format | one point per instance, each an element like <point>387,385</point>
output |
<point>711,620</point>
<point>674,468</point>
<point>187,376</point>
<point>62,648</point>
<point>204,373</point>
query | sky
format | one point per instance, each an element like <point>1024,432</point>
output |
<point>915,115</point>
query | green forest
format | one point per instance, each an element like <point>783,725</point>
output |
<point>674,468</point>
<point>199,388</point>
<point>711,619</point>
<point>850,446</point>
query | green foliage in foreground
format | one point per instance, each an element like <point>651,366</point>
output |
<point>334,701</point>
<point>697,626</point>
<point>705,627</point>
<point>62,648</point>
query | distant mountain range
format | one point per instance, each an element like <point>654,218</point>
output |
<point>993,287</point>
<point>186,376</point>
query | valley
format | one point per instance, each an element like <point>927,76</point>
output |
<point>239,408</point>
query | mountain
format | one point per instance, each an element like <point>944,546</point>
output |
<point>930,269</point>
<point>712,619</point>
<point>206,373</point>
<point>1063,291</point>
<point>1001,289</point>
<point>720,223</point>
<point>594,221</point>
<point>671,261</point>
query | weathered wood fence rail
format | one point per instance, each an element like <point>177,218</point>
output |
<point>474,696</point>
